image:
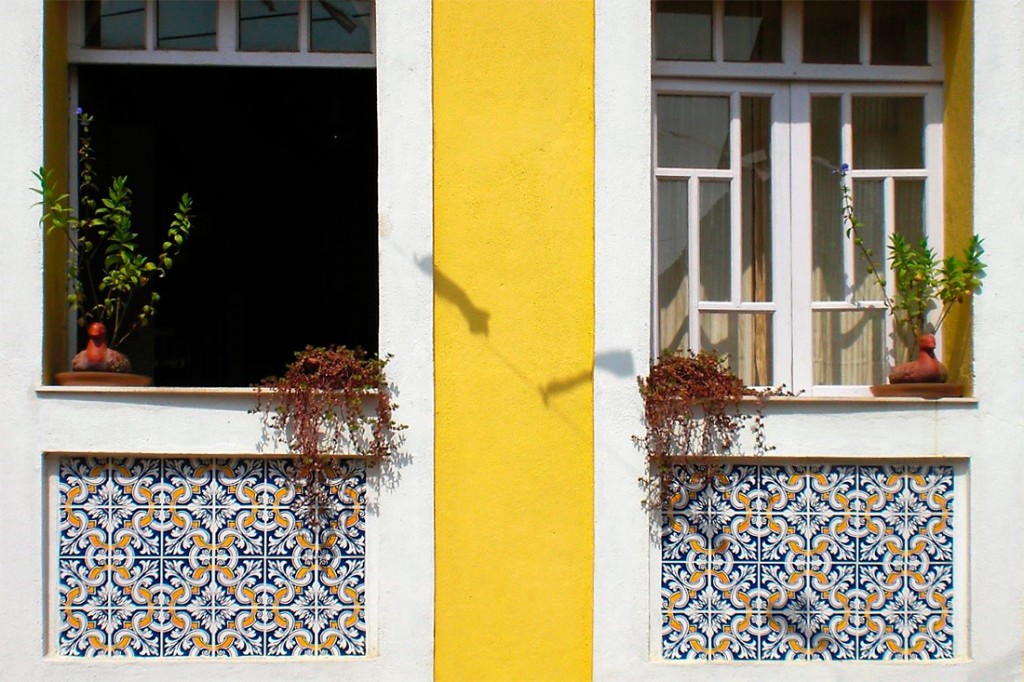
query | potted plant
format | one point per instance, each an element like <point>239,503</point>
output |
<point>925,290</point>
<point>110,282</point>
<point>692,411</point>
<point>330,402</point>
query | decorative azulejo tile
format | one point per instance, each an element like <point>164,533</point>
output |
<point>808,562</point>
<point>204,557</point>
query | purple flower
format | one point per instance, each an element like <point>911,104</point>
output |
<point>78,111</point>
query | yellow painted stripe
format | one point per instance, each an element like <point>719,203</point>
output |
<point>514,291</point>
<point>958,130</point>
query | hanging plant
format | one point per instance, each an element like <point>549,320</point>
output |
<point>692,410</point>
<point>318,409</point>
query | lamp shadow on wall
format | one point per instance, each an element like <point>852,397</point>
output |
<point>444,286</point>
<point>617,362</point>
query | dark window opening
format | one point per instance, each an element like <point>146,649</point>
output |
<point>282,168</point>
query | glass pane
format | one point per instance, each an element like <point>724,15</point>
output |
<point>849,347</point>
<point>888,132</point>
<point>693,132</point>
<point>673,266</point>
<point>746,338</point>
<point>340,26</point>
<point>682,30</point>
<point>831,32</point>
<point>899,32</point>
<point>756,184</point>
<point>268,26</point>
<point>115,23</point>
<point>910,209</point>
<point>868,204</point>
<point>827,230</point>
<point>714,240</point>
<point>186,25</point>
<point>753,31</point>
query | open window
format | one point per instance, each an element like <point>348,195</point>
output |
<point>265,113</point>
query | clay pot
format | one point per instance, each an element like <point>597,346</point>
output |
<point>86,378</point>
<point>925,370</point>
<point>924,377</point>
<point>100,365</point>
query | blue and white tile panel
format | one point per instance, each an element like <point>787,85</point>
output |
<point>775,562</point>
<point>202,557</point>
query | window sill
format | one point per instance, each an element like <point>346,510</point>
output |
<point>866,399</point>
<point>148,391</point>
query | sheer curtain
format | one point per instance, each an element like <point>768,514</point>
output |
<point>694,133</point>
<point>849,345</point>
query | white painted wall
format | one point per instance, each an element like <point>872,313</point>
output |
<point>983,438</point>
<point>35,421</point>
<point>21,111</point>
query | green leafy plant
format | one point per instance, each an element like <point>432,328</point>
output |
<point>922,282</point>
<point>692,410</point>
<point>109,279</point>
<point>318,408</point>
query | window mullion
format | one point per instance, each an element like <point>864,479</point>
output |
<point>735,202</point>
<point>792,33</point>
<point>936,38</point>
<point>693,257</point>
<point>305,27</point>
<point>718,31</point>
<point>150,30</point>
<point>865,31</point>
<point>227,26</point>
<point>800,212</point>
<point>846,152</point>
<point>889,221</point>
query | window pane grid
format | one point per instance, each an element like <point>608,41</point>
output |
<point>717,267</point>
<point>894,33</point>
<point>317,28</point>
<point>851,335</point>
<point>268,26</point>
<point>186,25</point>
<point>886,116</point>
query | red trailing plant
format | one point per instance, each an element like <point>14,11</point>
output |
<point>692,410</point>
<point>318,408</point>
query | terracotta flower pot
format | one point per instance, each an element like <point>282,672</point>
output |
<point>86,378</point>
<point>924,377</point>
<point>100,365</point>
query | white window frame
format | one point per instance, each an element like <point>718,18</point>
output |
<point>797,83</point>
<point>792,68</point>
<point>931,172</point>
<point>227,52</point>
<point>779,306</point>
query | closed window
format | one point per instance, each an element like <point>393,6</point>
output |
<point>751,257</point>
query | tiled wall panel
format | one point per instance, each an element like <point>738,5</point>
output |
<point>767,562</point>
<point>193,557</point>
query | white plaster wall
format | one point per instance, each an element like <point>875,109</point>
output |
<point>35,421</point>
<point>21,112</point>
<point>983,439</point>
